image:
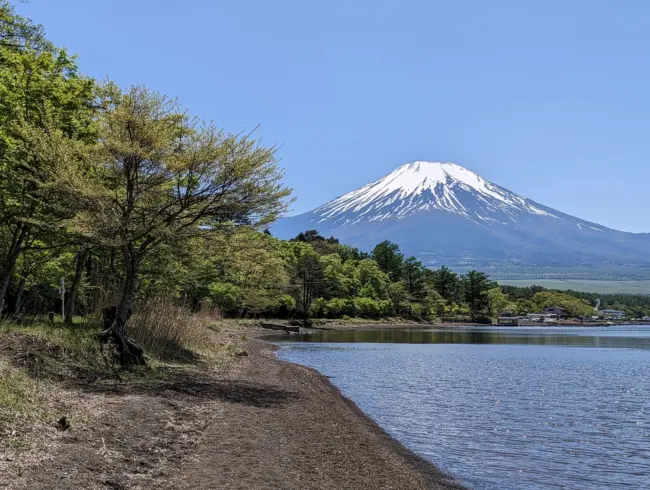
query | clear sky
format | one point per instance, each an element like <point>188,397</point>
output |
<point>550,99</point>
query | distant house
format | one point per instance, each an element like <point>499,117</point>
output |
<point>613,314</point>
<point>508,318</point>
<point>560,313</point>
<point>646,318</point>
<point>542,317</point>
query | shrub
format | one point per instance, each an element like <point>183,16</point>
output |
<point>336,307</point>
<point>385,307</point>
<point>317,308</point>
<point>367,307</point>
<point>225,296</point>
<point>168,331</point>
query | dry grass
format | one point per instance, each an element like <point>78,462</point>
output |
<point>47,370</point>
<point>168,332</point>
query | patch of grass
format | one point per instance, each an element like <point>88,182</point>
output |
<point>49,371</point>
<point>18,395</point>
<point>54,351</point>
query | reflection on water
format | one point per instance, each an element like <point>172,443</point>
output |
<point>503,408</point>
<point>637,337</point>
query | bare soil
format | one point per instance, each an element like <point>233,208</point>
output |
<point>261,424</point>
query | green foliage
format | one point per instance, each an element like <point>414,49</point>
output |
<point>475,287</point>
<point>40,91</point>
<point>225,296</point>
<point>496,301</point>
<point>367,307</point>
<point>575,307</point>
<point>389,259</point>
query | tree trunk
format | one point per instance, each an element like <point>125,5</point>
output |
<point>19,294</point>
<point>72,295</point>
<point>11,258</point>
<point>130,352</point>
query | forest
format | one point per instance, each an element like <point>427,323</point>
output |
<point>120,197</point>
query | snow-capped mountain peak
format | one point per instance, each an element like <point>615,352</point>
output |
<point>428,186</point>
<point>443,213</point>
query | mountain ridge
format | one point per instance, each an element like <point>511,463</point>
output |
<point>444,213</point>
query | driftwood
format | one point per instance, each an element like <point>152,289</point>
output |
<point>276,326</point>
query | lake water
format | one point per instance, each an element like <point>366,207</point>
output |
<point>502,408</point>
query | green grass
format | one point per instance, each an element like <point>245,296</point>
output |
<point>585,285</point>
<point>46,367</point>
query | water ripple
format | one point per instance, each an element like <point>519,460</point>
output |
<point>522,412</point>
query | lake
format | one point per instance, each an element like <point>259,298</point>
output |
<point>502,408</point>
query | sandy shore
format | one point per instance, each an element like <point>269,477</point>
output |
<point>263,424</point>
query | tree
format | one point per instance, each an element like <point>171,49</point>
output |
<point>335,282</point>
<point>389,259</point>
<point>448,284</point>
<point>80,260</point>
<point>40,89</point>
<point>370,276</point>
<point>308,236</point>
<point>475,287</point>
<point>18,33</point>
<point>159,177</point>
<point>574,306</point>
<point>413,276</point>
<point>399,297</point>
<point>496,301</point>
<point>309,276</point>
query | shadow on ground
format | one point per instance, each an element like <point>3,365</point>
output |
<point>88,371</point>
<point>197,386</point>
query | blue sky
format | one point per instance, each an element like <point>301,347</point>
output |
<point>549,99</point>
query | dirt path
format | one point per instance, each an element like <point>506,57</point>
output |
<point>266,424</point>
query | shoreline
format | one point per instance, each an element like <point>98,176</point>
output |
<point>260,423</point>
<point>355,326</point>
<point>433,477</point>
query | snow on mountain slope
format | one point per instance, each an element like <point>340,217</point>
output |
<point>444,213</point>
<point>422,186</point>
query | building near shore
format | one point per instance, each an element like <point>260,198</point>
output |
<point>560,313</point>
<point>542,317</point>
<point>612,314</point>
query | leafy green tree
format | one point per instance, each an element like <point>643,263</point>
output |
<point>40,89</point>
<point>574,306</point>
<point>335,283</point>
<point>309,236</point>
<point>389,259</point>
<point>475,288</point>
<point>436,304</point>
<point>496,301</point>
<point>448,284</point>
<point>367,307</point>
<point>347,253</point>
<point>371,279</point>
<point>399,297</point>
<point>225,296</point>
<point>413,277</point>
<point>309,277</point>
<point>160,177</point>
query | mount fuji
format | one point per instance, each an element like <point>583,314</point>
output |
<point>446,214</point>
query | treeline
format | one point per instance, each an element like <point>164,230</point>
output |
<point>634,305</point>
<point>103,191</point>
<point>256,275</point>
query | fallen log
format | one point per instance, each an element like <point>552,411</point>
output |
<point>277,326</point>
